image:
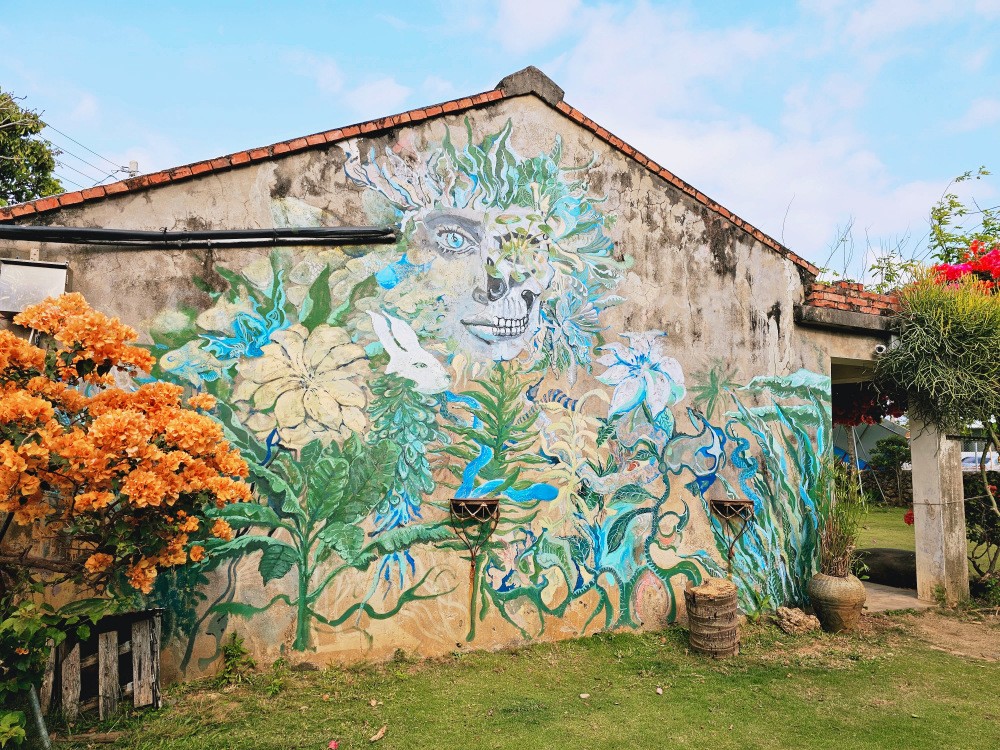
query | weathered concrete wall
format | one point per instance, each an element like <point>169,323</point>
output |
<point>557,328</point>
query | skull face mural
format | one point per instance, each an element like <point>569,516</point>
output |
<point>497,257</point>
<point>516,246</point>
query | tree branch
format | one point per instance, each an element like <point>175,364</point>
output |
<point>994,442</point>
<point>40,563</point>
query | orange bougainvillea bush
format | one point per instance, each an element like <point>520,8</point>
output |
<point>108,479</point>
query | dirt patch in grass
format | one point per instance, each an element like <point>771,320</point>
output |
<point>974,637</point>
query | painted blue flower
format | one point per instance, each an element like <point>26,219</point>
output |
<point>641,372</point>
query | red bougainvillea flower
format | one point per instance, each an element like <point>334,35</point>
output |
<point>908,517</point>
<point>979,261</point>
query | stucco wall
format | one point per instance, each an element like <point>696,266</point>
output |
<point>557,328</point>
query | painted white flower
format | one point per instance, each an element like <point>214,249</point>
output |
<point>641,372</point>
<point>302,386</point>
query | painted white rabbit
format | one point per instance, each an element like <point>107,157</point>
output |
<point>406,357</point>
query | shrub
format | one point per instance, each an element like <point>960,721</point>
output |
<point>945,357</point>
<point>107,482</point>
<point>843,506</point>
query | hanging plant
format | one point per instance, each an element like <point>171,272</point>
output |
<point>864,403</point>
<point>945,356</point>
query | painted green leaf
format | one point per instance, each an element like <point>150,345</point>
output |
<point>800,384</point>
<point>276,561</point>
<point>327,486</point>
<point>238,435</point>
<point>555,553</point>
<point>311,452</point>
<point>371,471</point>
<point>241,515</point>
<point>316,307</point>
<point>345,539</point>
<point>619,527</point>
<point>630,493</point>
<point>401,539</point>
<point>366,288</point>
<point>800,414</point>
<point>239,545</point>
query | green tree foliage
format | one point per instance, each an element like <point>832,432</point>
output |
<point>955,226</point>
<point>26,161</point>
<point>982,524</point>
<point>888,458</point>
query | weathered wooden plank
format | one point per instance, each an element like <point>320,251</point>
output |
<point>107,674</point>
<point>71,682</point>
<point>45,696</point>
<point>146,662</point>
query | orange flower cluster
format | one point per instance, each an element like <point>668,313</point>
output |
<point>94,342</point>
<point>129,472</point>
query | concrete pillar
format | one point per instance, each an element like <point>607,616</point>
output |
<point>939,514</point>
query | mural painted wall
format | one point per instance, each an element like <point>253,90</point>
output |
<point>520,341</point>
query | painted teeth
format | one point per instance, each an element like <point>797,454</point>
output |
<point>509,326</point>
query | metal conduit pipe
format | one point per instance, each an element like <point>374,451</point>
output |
<point>213,238</point>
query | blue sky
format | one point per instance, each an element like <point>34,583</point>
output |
<point>799,116</point>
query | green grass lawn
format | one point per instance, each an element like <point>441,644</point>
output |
<point>884,527</point>
<point>880,690</point>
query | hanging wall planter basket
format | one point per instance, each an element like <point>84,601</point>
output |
<point>481,509</point>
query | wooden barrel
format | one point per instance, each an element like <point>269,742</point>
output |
<point>713,618</point>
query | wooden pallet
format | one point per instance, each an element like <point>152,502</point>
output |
<point>120,660</point>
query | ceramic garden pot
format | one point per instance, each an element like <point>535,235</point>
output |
<point>837,601</point>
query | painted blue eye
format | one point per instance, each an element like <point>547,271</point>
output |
<point>453,240</point>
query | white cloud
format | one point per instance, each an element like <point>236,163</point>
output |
<point>981,114</point>
<point>760,175</point>
<point>152,152</point>
<point>974,60</point>
<point>655,60</point>
<point>813,108</point>
<point>663,83</point>
<point>394,21</point>
<point>884,17</point>
<point>86,109</point>
<point>376,98</point>
<point>322,69</point>
<point>437,88</point>
<point>526,25</point>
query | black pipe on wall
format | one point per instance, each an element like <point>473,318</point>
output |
<point>213,238</point>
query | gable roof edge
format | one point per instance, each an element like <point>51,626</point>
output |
<point>529,81</point>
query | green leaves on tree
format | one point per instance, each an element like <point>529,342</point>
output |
<point>27,162</point>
